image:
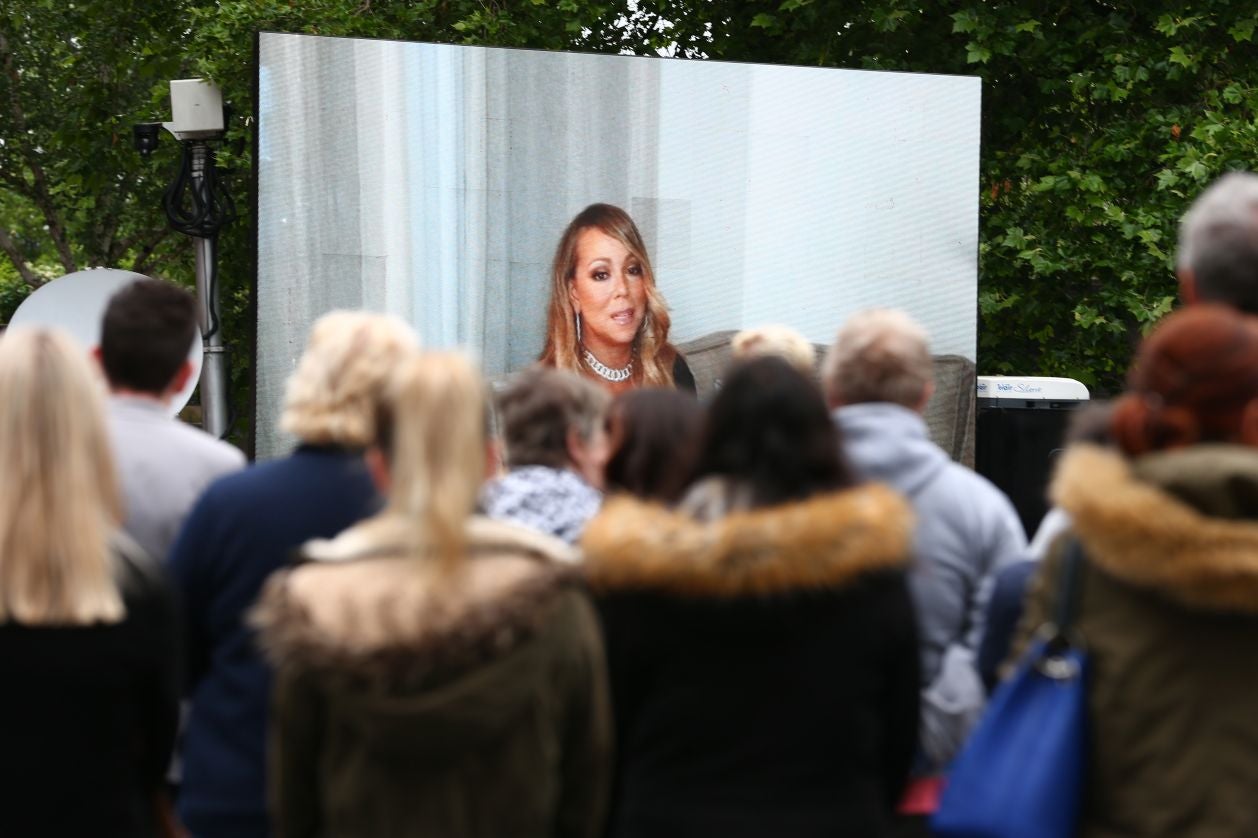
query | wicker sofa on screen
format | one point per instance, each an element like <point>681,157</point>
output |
<point>949,415</point>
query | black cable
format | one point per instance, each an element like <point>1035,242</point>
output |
<point>198,209</point>
<point>212,291</point>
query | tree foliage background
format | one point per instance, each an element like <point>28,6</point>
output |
<point>1101,121</point>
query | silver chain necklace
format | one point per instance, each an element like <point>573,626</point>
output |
<point>605,372</point>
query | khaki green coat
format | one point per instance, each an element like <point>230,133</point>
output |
<point>1169,617</point>
<point>412,704</point>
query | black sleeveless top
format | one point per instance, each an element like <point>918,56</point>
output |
<point>683,378</point>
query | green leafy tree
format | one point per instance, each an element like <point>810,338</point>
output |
<point>1101,121</point>
<point>73,78</point>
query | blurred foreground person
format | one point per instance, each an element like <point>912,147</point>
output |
<point>775,339</point>
<point>553,426</point>
<point>1217,256</point>
<point>245,527</point>
<point>1168,598</point>
<point>654,438</point>
<point>761,640</point>
<point>1089,423</point>
<point>89,686</point>
<point>439,673</point>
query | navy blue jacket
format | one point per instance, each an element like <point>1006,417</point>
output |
<point>243,528</point>
<point>1004,611</point>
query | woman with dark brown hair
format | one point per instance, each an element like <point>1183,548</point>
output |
<point>607,319</point>
<point>654,436</point>
<point>760,637</point>
<point>1167,604</point>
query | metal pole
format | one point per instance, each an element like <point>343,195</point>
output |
<point>213,359</point>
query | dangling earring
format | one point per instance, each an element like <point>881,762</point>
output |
<point>578,328</point>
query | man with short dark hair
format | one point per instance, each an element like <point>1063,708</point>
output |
<point>163,465</point>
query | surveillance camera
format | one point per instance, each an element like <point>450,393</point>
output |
<point>196,108</point>
<point>144,136</point>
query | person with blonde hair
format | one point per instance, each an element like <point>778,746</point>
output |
<point>775,339</point>
<point>245,527</point>
<point>88,649</point>
<point>438,673</point>
<point>607,319</point>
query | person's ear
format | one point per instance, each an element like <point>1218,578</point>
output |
<point>1188,287</point>
<point>928,390</point>
<point>378,468</point>
<point>493,459</point>
<point>834,399</point>
<point>588,455</point>
<point>572,296</point>
<point>181,378</point>
<point>576,448</point>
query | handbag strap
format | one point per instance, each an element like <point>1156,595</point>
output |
<point>1066,607</point>
<point>1054,660</point>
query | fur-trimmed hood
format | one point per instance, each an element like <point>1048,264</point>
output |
<point>1183,523</point>
<point>364,606</point>
<point>825,542</point>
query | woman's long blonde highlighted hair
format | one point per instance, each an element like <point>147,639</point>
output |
<point>433,432</point>
<point>654,355</point>
<point>59,497</point>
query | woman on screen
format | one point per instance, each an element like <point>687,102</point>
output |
<point>607,320</point>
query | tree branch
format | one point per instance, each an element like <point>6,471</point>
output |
<point>42,195</point>
<point>10,248</point>
<point>141,265</point>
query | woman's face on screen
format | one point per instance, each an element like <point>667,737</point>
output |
<point>608,290</point>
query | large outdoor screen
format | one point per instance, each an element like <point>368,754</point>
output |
<point>434,182</point>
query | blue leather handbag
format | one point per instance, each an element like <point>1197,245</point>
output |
<point>1021,774</point>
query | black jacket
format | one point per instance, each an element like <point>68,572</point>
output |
<point>764,666</point>
<point>90,716</point>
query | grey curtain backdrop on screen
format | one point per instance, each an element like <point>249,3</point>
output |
<point>433,182</point>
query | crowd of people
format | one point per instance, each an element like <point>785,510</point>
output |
<point>586,603</point>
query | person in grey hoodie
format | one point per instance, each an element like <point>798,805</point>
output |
<point>878,379</point>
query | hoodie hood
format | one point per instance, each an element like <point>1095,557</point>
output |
<point>890,444</point>
<point>1183,523</point>
<point>826,542</point>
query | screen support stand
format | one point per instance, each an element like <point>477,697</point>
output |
<point>214,358</point>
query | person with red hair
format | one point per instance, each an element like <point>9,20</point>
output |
<point>1168,594</point>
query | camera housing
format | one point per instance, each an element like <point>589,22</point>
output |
<point>196,107</point>
<point>144,136</point>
